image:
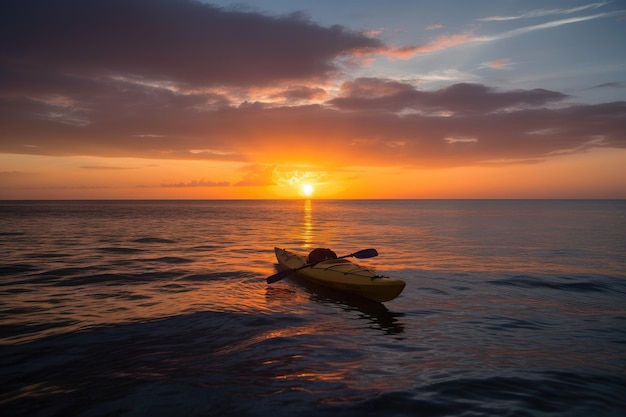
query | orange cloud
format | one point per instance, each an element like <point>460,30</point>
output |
<point>197,183</point>
<point>498,64</point>
<point>257,175</point>
<point>367,122</point>
<point>440,43</point>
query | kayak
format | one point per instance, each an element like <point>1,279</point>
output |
<point>341,274</point>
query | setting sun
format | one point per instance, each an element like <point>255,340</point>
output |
<point>307,190</point>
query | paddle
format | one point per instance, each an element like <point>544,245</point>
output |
<point>362,254</point>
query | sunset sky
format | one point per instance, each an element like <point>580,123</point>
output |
<point>178,99</point>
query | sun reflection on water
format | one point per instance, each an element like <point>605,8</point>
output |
<point>307,224</point>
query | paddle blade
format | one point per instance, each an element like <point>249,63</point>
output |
<point>365,253</point>
<point>278,276</point>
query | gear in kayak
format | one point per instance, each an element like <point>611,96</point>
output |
<point>321,254</point>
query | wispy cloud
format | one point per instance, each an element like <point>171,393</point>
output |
<point>104,167</point>
<point>437,44</point>
<point>16,173</point>
<point>547,25</point>
<point>469,36</point>
<point>498,64</point>
<point>543,12</point>
<point>614,84</point>
<point>257,175</point>
<point>197,183</point>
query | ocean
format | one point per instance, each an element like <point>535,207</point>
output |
<point>161,308</point>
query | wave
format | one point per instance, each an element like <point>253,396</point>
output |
<point>121,250</point>
<point>599,284</point>
<point>118,279</point>
<point>153,240</point>
<point>48,255</point>
<point>172,260</point>
<point>12,269</point>
<point>213,276</point>
<point>237,364</point>
<point>544,393</point>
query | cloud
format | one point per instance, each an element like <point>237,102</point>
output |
<point>614,84</point>
<point>447,75</point>
<point>15,174</point>
<point>498,64</point>
<point>373,32</point>
<point>196,82</point>
<point>257,175</point>
<point>544,12</point>
<point>437,44</point>
<point>470,37</point>
<point>373,121</point>
<point>76,187</point>
<point>546,25</point>
<point>197,183</point>
<point>359,136</point>
<point>297,176</point>
<point>386,95</point>
<point>300,94</point>
<point>180,41</point>
<point>104,168</point>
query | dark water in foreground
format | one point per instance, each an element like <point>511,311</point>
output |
<point>512,308</point>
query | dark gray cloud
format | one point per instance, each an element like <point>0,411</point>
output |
<point>614,84</point>
<point>184,41</point>
<point>386,95</point>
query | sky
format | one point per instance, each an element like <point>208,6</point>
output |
<point>368,99</point>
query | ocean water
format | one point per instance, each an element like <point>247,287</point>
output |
<point>160,308</point>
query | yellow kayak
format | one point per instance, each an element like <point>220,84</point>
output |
<point>343,275</point>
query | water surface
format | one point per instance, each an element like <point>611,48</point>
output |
<point>133,308</point>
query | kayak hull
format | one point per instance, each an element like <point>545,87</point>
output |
<point>343,275</point>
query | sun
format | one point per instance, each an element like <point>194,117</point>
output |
<point>307,189</point>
